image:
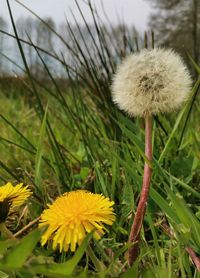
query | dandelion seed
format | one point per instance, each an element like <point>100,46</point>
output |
<point>73,215</point>
<point>150,82</point>
<point>12,197</point>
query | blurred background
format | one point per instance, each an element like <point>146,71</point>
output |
<point>175,24</point>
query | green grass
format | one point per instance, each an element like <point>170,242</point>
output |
<point>100,163</point>
<point>58,139</point>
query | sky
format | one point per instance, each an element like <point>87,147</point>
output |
<point>132,12</point>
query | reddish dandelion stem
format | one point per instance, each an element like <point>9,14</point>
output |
<point>141,208</point>
<point>194,257</point>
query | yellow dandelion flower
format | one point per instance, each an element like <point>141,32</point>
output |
<point>73,215</point>
<point>12,197</point>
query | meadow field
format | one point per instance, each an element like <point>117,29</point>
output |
<point>64,134</point>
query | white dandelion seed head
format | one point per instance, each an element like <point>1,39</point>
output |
<point>150,82</point>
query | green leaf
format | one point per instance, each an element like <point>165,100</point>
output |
<point>168,176</point>
<point>84,172</point>
<point>131,272</point>
<point>156,271</point>
<point>38,158</point>
<point>163,204</point>
<point>64,269</point>
<point>177,123</point>
<point>139,145</point>
<point>3,275</point>
<point>187,218</point>
<point>18,254</point>
<point>195,65</point>
<point>4,244</point>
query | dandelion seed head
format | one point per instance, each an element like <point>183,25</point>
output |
<point>73,215</point>
<point>150,82</point>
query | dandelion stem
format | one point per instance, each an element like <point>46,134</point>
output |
<point>194,257</point>
<point>141,208</point>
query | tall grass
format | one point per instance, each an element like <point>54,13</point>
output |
<point>63,138</point>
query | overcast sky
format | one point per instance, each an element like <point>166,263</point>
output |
<point>134,12</point>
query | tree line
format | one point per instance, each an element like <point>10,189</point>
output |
<point>175,23</point>
<point>56,40</point>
